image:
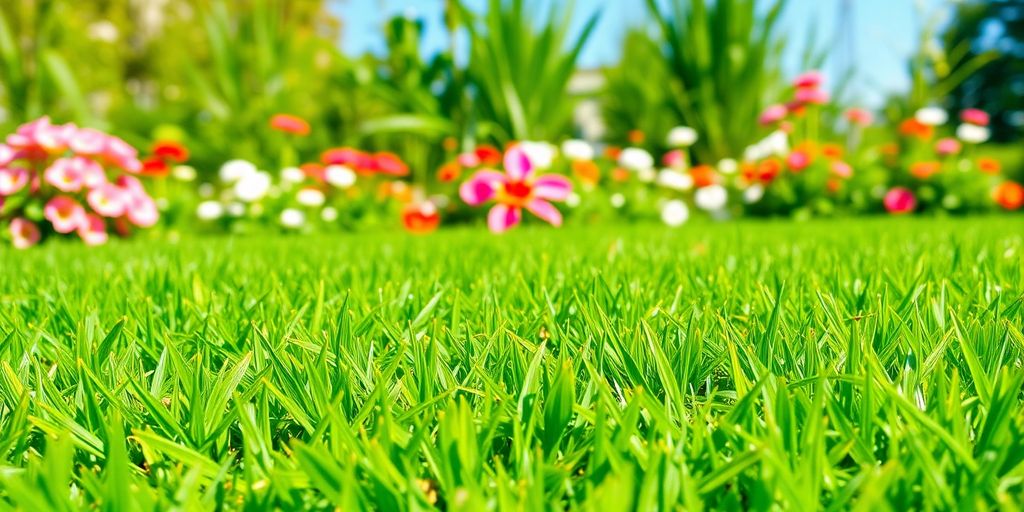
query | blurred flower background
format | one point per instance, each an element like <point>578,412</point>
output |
<point>362,114</point>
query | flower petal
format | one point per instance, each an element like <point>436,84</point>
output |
<point>546,211</point>
<point>481,187</point>
<point>517,164</point>
<point>554,187</point>
<point>502,217</point>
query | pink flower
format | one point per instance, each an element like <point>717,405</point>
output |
<point>809,96</point>
<point>899,200</point>
<point>469,160</point>
<point>517,188</point>
<point>7,154</point>
<point>842,169</point>
<point>12,181</point>
<point>40,136</point>
<point>71,174</point>
<point>975,116</point>
<point>809,79</point>
<point>139,207</point>
<point>773,114</point>
<point>108,200</point>
<point>93,230</point>
<point>121,154</point>
<point>64,213</point>
<point>947,146</point>
<point>24,233</point>
<point>675,159</point>
<point>798,160</point>
<point>88,141</point>
<point>859,116</point>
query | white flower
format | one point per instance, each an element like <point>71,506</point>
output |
<point>777,143</point>
<point>236,209</point>
<point>292,218</point>
<point>540,154</point>
<point>292,175</point>
<point>576,149</point>
<point>253,187</point>
<point>675,213</point>
<point>972,134</point>
<point>681,137</point>
<point>753,193</point>
<point>184,173</point>
<point>340,176</point>
<point>931,116</point>
<point>711,198</point>
<point>209,210</point>
<point>618,200</point>
<point>329,214</point>
<point>573,200</point>
<point>310,197</point>
<point>675,180</point>
<point>728,166</point>
<point>234,170</point>
<point>636,159</point>
<point>646,175</point>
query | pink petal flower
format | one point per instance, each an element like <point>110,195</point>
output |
<point>122,154</point>
<point>142,211</point>
<point>773,114</point>
<point>798,161</point>
<point>65,175</point>
<point>947,146</point>
<point>481,187</point>
<point>502,217</point>
<point>108,200</point>
<point>93,230</point>
<point>546,211</point>
<point>554,187</point>
<point>975,116</point>
<point>809,79</point>
<point>7,154</point>
<point>859,116</point>
<point>842,169</point>
<point>517,164</point>
<point>64,213</point>
<point>24,233</point>
<point>469,160</point>
<point>12,181</point>
<point>811,96</point>
<point>675,159</point>
<point>88,142</point>
<point>900,200</point>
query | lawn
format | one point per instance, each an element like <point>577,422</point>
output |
<point>870,363</point>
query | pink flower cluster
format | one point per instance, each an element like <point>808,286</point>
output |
<point>81,179</point>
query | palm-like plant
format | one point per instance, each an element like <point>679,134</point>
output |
<point>724,57</point>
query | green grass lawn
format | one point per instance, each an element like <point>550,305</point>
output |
<point>845,364</point>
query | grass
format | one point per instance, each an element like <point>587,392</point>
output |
<point>871,364</point>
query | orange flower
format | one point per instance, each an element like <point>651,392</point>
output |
<point>703,175</point>
<point>748,171</point>
<point>989,166</point>
<point>1009,195</point>
<point>290,124</point>
<point>449,172</point>
<point>586,171</point>
<point>924,170</point>
<point>450,144</point>
<point>913,128</point>
<point>832,151</point>
<point>636,137</point>
<point>768,169</point>
<point>420,218</point>
<point>613,152</point>
<point>169,150</point>
<point>488,155</point>
<point>313,171</point>
<point>620,174</point>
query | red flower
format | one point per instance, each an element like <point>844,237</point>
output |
<point>170,151</point>
<point>290,124</point>
<point>155,166</point>
<point>390,164</point>
<point>420,218</point>
<point>349,157</point>
<point>488,155</point>
<point>449,172</point>
<point>1009,195</point>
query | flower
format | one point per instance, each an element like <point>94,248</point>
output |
<point>64,213</point>
<point>93,230</point>
<point>947,146</point>
<point>703,176</point>
<point>576,150</point>
<point>636,137</point>
<point>155,167</point>
<point>675,180</point>
<point>24,233</point>
<point>586,171</point>
<point>449,172</point>
<point>798,160</point>
<point>488,155</point>
<point>390,164</point>
<point>975,116</point>
<point>292,175</point>
<point>681,137</point>
<point>141,210</point>
<point>209,210</point>
<point>899,200</point>
<point>310,197</point>
<point>989,166</point>
<point>514,190</point>
<point>349,157</point>
<point>329,214</point>
<point>88,142</point>
<point>12,180</point>
<point>234,170</point>
<point>288,123</point>
<point>972,133</point>
<point>859,117</point>
<point>292,218</point>
<point>420,218</point>
<point>339,176</point>
<point>540,154</point>
<point>809,96</point>
<point>711,198</point>
<point>931,116</point>
<point>675,213</point>
<point>841,169</point>
<point>772,114</point>
<point>1009,195</point>
<point>252,187</point>
<point>122,154</point>
<point>753,193</point>
<point>107,200</point>
<point>170,151</point>
<point>468,160</point>
<point>914,128</point>
<point>728,166</point>
<point>924,170</point>
<point>832,151</point>
<point>809,79</point>
<point>636,159</point>
<point>617,200</point>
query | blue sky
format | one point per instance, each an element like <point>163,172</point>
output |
<point>884,32</point>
